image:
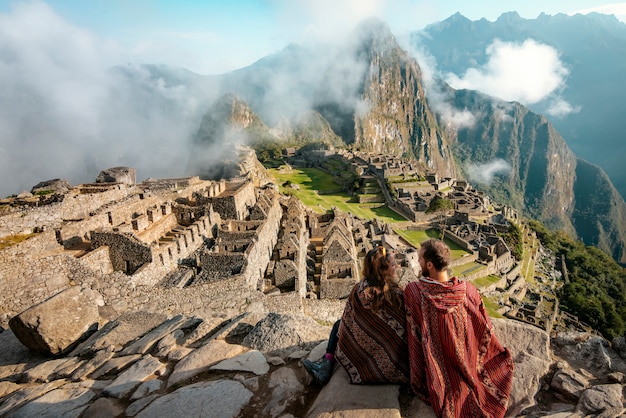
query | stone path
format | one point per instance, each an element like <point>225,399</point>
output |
<point>183,366</point>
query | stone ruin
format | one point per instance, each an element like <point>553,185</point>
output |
<point>178,234</point>
<point>479,237</point>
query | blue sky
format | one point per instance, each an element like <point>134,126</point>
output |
<point>214,36</point>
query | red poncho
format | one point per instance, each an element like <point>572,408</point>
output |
<point>457,362</point>
<point>372,345</point>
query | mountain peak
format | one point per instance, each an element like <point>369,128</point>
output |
<point>374,26</point>
<point>374,29</point>
<point>509,17</point>
<point>457,17</point>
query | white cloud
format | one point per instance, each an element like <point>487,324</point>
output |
<point>528,73</point>
<point>485,173</point>
<point>439,99</point>
<point>559,108</point>
<point>501,111</point>
<point>326,20</point>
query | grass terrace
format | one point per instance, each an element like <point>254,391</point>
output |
<point>11,240</point>
<point>486,281</point>
<point>467,269</point>
<point>492,308</point>
<point>319,191</point>
<point>416,237</point>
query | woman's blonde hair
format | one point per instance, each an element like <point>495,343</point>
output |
<point>383,285</point>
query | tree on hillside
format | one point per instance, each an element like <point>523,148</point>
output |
<point>596,291</point>
<point>440,205</point>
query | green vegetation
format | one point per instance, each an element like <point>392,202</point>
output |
<point>416,237</point>
<point>486,281</point>
<point>439,204</point>
<point>319,191</point>
<point>405,179</point>
<point>467,269</point>
<point>515,241</point>
<point>595,289</point>
<point>43,192</point>
<point>267,149</point>
<point>491,308</point>
<point>6,242</point>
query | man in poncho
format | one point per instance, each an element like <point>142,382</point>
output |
<point>457,363</point>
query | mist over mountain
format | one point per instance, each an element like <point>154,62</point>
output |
<point>364,92</point>
<point>576,69</point>
<point>504,148</point>
<point>368,89</point>
<point>65,112</point>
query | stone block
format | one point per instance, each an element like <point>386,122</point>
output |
<point>336,288</point>
<point>124,175</point>
<point>341,399</point>
<point>57,324</point>
<point>140,223</point>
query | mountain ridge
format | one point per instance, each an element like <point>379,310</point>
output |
<point>397,120</point>
<point>588,47</point>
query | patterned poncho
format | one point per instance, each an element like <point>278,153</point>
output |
<point>457,362</point>
<point>372,345</point>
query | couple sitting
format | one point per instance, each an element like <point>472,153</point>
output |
<point>436,335</point>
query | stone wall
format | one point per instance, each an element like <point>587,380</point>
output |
<point>24,220</point>
<point>172,248</point>
<point>36,269</point>
<point>267,237</point>
<point>156,230</point>
<point>458,240</point>
<point>285,274</point>
<point>233,203</point>
<point>126,252</point>
<point>75,206</point>
<point>220,266</point>
<point>98,260</point>
<point>135,241</point>
<point>336,288</point>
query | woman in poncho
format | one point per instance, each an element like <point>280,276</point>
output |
<point>370,339</point>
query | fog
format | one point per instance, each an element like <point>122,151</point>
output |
<point>65,113</point>
<point>71,105</point>
<point>485,173</point>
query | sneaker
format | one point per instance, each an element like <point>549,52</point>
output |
<point>320,369</point>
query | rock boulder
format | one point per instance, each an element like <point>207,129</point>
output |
<point>57,324</point>
<point>530,349</point>
<point>56,185</point>
<point>124,175</point>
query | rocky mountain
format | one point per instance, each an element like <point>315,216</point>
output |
<point>544,178</point>
<point>591,47</point>
<point>368,89</point>
<point>371,95</point>
<point>149,364</point>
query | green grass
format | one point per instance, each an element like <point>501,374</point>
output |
<point>492,308</point>
<point>312,180</point>
<point>11,240</point>
<point>467,269</point>
<point>44,192</point>
<point>274,163</point>
<point>486,281</point>
<point>416,237</point>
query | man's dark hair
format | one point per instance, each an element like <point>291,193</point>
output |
<point>437,252</point>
